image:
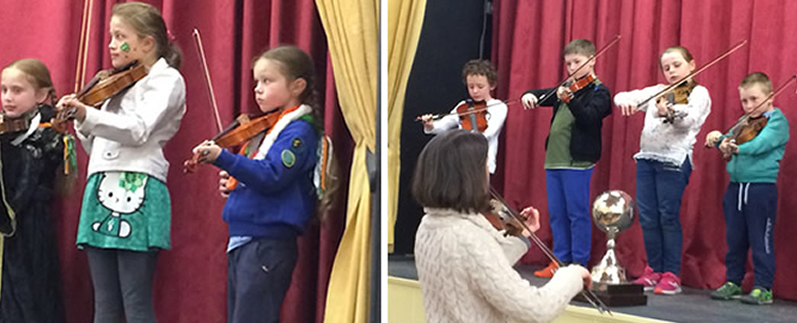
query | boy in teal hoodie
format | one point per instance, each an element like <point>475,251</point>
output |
<point>750,202</point>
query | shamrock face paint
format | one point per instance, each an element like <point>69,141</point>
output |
<point>125,47</point>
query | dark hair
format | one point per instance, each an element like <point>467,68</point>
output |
<point>757,78</point>
<point>684,52</point>
<point>480,67</point>
<point>451,172</point>
<point>146,20</point>
<point>38,75</point>
<point>581,47</point>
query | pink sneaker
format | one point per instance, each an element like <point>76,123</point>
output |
<point>649,279</point>
<point>668,285</point>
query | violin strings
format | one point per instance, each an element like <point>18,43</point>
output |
<point>594,57</point>
<point>587,293</point>
<point>695,73</point>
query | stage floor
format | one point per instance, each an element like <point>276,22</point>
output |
<point>693,305</point>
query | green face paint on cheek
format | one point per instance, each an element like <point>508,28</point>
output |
<point>125,47</point>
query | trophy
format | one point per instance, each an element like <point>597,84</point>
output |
<point>613,212</point>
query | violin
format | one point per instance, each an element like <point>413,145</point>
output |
<point>14,125</point>
<point>747,128</point>
<point>671,115</point>
<point>242,130</point>
<point>566,80</point>
<point>473,115</point>
<point>480,109</point>
<point>587,293</point>
<point>106,84</point>
<point>501,219</point>
<point>574,87</point>
<point>678,95</point>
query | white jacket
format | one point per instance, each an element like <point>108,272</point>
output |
<point>129,131</point>
<point>466,275</point>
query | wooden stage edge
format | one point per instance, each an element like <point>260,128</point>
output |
<point>405,305</point>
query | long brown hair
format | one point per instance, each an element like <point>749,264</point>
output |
<point>38,75</point>
<point>146,20</point>
<point>451,172</point>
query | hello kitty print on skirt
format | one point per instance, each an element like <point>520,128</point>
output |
<point>125,210</point>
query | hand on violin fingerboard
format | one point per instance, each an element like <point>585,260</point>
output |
<point>532,216</point>
<point>663,107</point>
<point>529,101</point>
<point>728,148</point>
<point>428,123</point>
<point>564,94</point>
<point>70,105</point>
<point>207,151</point>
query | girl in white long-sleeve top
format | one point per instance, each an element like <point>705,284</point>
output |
<point>664,163</point>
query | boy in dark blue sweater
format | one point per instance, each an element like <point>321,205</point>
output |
<point>572,149</point>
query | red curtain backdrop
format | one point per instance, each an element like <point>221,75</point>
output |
<point>527,44</point>
<point>191,277</point>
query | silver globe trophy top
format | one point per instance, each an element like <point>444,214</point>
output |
<point>612,212</point>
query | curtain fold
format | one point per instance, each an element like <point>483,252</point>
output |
<point>190,280</point>
<point>405,20</point>
<point>351,28</point>
<point>527,44</point>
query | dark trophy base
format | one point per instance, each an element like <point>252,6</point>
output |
<point>617,295</point>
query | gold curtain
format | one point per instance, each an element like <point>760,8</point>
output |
<point>351,28</point>
<point>405,19</point>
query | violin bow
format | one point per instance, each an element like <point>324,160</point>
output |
<point>599,53</point>
<point>208,83</point>
<point>694,73</point>
<point>83,45</point>
<point>441,115</point>
<point>587,293</point>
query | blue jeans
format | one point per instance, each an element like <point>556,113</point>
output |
<point>750,210</point>
<point>568,204</point>
<point>659,188</point>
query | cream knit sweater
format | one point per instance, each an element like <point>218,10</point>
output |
<point>466,275</point>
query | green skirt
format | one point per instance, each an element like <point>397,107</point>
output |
<point>125,210</point>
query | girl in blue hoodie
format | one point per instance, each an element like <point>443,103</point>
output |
<point>275,197</point>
